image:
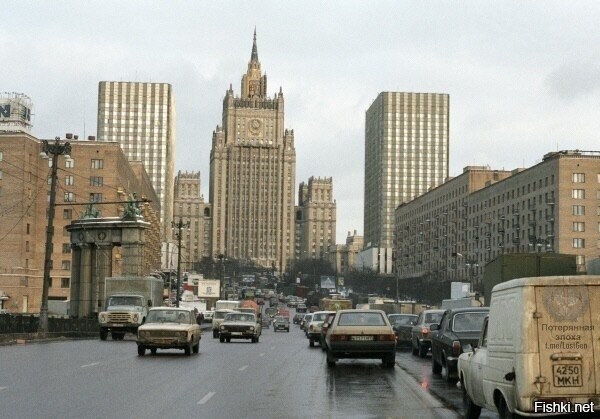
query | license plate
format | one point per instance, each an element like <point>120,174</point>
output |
<point>236,333</point>
<point>567,375</point>
<point>361,338</point>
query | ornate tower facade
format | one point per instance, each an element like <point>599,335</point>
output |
<point>252,175</point>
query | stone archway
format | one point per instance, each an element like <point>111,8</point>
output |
<point>92,243</point>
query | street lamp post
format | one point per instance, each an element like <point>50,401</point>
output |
<point>179,226</point>
<point>55,150</point>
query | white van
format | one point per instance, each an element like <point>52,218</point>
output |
<point>539,351</point>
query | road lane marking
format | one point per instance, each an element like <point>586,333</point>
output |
<point>90,365</point>
<point>3,388</point>
<point>207,397</point>
<point>243,368</point>
<point>261,354</point>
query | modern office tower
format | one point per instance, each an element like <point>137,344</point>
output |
<point>189,206</point>
<point>315,219</point>
<point>96,172</point>
<point>406,154</point>
<point>141,118</point>
<point>252,175</point>
<point>454,230</point>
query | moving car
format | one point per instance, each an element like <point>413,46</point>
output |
<point>218,317</point>
<point>457,328</point>
<point>298,318</point>
<point>281,323</point>
<point>537,349</point>
<point>361,334</point>
<point>313,330</point>
<point>420,333</point>
<point>402,325</point>
<point>304,323</point>
<point>168,328</point>
<point>239,326</point>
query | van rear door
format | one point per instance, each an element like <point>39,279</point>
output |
<point>566,338</point>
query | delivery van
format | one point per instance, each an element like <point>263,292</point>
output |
<point>539,350</point>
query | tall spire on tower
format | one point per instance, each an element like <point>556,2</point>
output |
<point>254,56</point>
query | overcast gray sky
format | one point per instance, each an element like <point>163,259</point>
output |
<point>523,77</point>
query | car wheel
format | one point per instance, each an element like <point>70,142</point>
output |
<point>196,348</point>
<point>448,375</point>
<point>311,343</point>
<point>435,367</point>
<point>389,361</point>
<point>330,359</point>
<point>415,347</point>
<point>221,339</point>
<point>188,349</point>
<point>114,336</point>
<point>472,411</point>
<point>228,340</point>
<point>103,334</point>
<point>215,334</point>
<point>423,351</point>
<point>153,351</point>
<point>141,350</point>
<point>503,411</point>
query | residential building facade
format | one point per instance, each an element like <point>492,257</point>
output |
<point>452,231</point>
<point>315,218</point>
<point>343,256</point>
<point>141,118</point>
<point>406,154</point>
<point>189,206</point>
<point>94,172</point>
<point>252,175</point>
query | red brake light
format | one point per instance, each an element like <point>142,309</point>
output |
<point>456,347</point>
<point>425,330</point>
<point>390,338</point>
<point>334,337</point>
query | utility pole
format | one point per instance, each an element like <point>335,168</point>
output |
<point>179,225</point>
<point>55,150</point>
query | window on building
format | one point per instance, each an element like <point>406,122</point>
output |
<point>0,174</point>
<point>2,158</point>
<point>578,177</point>
<point>65,282</point>
<point>69,197</point>
<point>96,181</point>
<point>578,243</point>
<point>578,226</point>
<point>67,214</point>
<point>69,163</point>
<point>66,265</point>
<point>69,180</point>
<point>27,245</point>
<point>578,210</point>
<point>95,197</point>
<point>578,194</point>
<point>97,163</point>
<point>580,259</point>
<point>66,248</point>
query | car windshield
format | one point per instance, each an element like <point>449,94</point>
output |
<point>168,316</point>
<point>361,319</point>
<point>239,317</point>
<point>281,319</point>
<point>307,318</point>
<point>319,317</point>
<point>402,320</point>
<point>468,322</point>
<point>220,314</point>
<point>124,300</point>
<point>433,317</point>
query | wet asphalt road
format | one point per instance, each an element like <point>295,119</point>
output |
<point>279,377</point>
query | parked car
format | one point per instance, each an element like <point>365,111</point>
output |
<point>313,330</point>
<point>538,346</point>
<point>420,333</point>
<point>457,328</point>
<point>167,328</point>
<point>281,323</point>
<point>402,325</point>
<point>324,328</point>
<point>361,334</point>
<point>297,319</point>
<point>239,326</point>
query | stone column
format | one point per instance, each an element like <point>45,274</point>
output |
<point>75,280</point>
<point>86,280</point>
<point>103,270</point>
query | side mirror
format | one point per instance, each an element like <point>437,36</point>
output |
<point>434,326</point>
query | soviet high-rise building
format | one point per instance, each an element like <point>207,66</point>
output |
<point>141,118</point>
<point>252,175</point>
<point>406,153</point>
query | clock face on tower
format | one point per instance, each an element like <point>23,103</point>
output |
<point>254,126</point>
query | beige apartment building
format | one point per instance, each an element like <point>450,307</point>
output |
<point>406,153</point>
<point>315,218</point>
<point>95,172</point>
<point>252,175</point>
<point>189,206</point>
<point>343,256</point>
<point>452,231</point>
<point>141,118</point>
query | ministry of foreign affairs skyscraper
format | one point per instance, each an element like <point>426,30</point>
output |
<point>252,175</point>
<point>406,153</point>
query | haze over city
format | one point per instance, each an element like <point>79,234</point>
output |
<point>523,78</point>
